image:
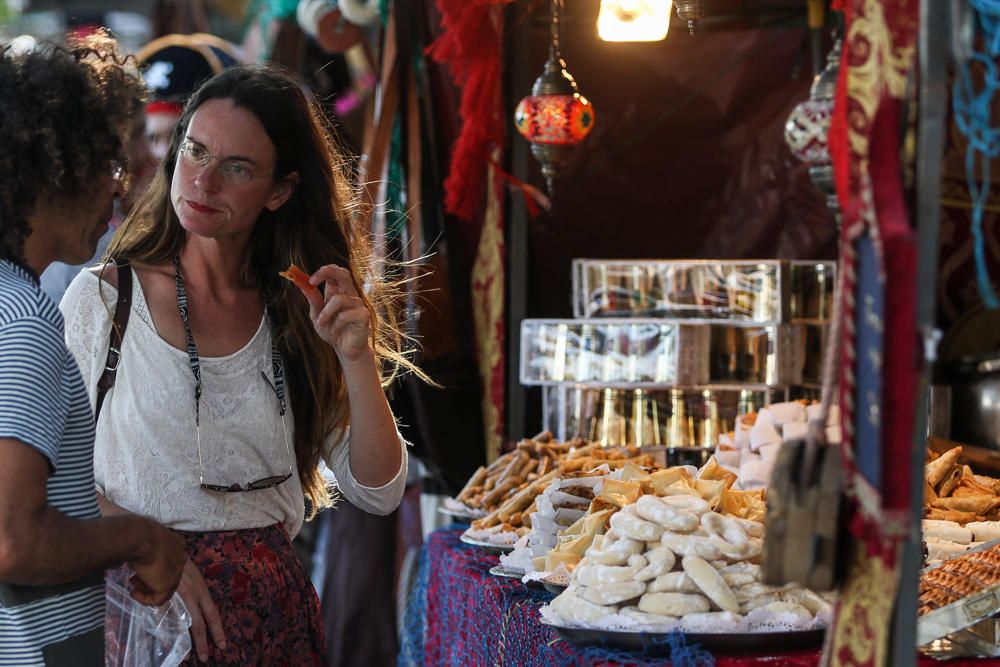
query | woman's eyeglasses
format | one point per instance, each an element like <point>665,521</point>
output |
<point>266,482</point>
<point>232,170</point>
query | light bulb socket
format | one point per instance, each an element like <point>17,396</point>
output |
<point>691,11</point>
<point>554,79</point>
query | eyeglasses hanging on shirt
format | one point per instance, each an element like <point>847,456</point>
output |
<point>279,389</point>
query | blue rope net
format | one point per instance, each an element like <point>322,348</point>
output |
<point>459,614</point>
<point>972,108</point>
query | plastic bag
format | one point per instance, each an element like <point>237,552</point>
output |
<point>137,635</point>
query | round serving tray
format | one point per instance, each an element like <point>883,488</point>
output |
<point>489,546</point>
<point>653,642</point>
<point>501,571</point>
<point>458,515</point>
<point>555,589</point>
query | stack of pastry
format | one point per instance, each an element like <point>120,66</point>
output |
<point>677,557</point>
<point>552,543</point>
<point>961,508</point>
<point>752,449</point>
<point>624,487</point>
<point>509,487</point>
<point>530,461</point>
<point>953,493</point>
<point>958,578</point>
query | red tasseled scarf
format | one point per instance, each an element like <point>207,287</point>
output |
<point>470,46</point>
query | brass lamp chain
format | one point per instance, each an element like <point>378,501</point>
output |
<point>554,53</point>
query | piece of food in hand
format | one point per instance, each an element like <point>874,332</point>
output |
<point>299,278</point>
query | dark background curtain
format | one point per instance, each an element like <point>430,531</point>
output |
<point>687,158</point>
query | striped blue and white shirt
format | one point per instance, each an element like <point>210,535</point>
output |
<point>43,403</point>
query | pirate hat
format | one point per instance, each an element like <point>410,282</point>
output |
<point>173,66</point>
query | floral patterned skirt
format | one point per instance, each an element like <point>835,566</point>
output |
<point>269,608</point>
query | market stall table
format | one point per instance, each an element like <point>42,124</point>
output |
<point>460,614</point>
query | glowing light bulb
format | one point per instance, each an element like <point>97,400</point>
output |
<point>633,20</point>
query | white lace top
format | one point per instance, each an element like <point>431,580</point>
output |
<point>146,454</point>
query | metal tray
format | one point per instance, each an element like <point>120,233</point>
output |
<point>501,571</point>
<point>985,546</point>
<point>489,546</point>
<point>462,517</point>
<point>555,589</point>
<point>963,613</point>
<point>961,644</point>
<point>958,615</point>
<point>655,643</point>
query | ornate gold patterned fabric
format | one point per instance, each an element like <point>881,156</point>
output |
<point>877,265</point>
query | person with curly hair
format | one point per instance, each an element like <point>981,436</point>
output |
<point>234,383</point>
<point>172,68</point>
<point>63,113</point>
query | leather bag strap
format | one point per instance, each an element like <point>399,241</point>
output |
<point>123,308</point>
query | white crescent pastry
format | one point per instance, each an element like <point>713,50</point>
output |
<point>672,582</point>
<point>677,520</point>
<point>635,528</point>
<point>609,594</point>
<point>615,553</point>
<point>711,583</point>
<point>575,609</point>
<point>691,545</point>
<point>673,604</point>
<point>661,560</point>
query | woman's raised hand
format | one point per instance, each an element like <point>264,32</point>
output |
<point>339,314</point>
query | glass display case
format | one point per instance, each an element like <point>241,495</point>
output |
<point>769,291</point>
<point>670,353</point>
<point>649,353</point>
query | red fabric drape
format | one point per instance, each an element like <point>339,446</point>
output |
<point>470,47</point>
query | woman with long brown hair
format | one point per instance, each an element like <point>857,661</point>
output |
<point>233,384</point>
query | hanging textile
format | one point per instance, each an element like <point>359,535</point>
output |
<point>402,182</point>
<point>470,47</point>
<point>488,283</point>
<point>878,270</point>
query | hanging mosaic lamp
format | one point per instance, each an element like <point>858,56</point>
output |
<point>555,116</point>
<point>809,124</point>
